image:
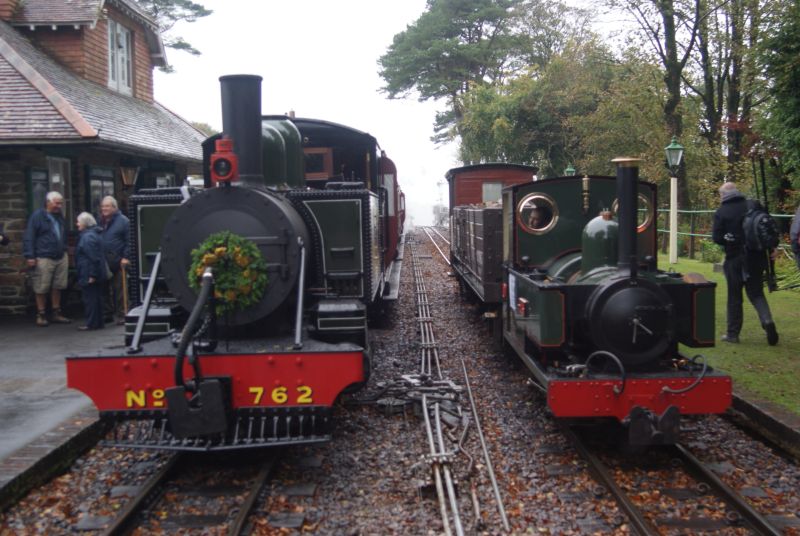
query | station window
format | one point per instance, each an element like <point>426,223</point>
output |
<point>101,184</point>
<point>59,175</point>
<point>165,180</point>
<point>537,213</point>
<point>120,58</point>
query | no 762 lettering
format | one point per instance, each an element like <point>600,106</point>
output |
<point>302,394</point>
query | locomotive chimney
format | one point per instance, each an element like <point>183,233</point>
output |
<point>627,186</point>
<point>241,122</point>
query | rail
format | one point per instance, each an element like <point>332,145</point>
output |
<point>740,508</point>
<point>430,236</point>
<point>441,458</point>
<point>693,233</point>
<point>152,491</point>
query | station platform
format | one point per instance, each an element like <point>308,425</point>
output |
<point>37,411</point>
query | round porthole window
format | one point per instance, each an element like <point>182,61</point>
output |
<point>644,212</point>
<point>537,213</point>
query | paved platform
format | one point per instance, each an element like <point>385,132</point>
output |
<point>34,398</point>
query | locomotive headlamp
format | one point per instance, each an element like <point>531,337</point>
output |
<point>224,162</point>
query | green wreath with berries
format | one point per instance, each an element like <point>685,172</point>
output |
<point>240,272</point>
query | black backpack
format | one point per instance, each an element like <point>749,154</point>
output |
<point>760,229</point>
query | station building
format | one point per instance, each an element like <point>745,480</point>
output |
<point>77,115</point>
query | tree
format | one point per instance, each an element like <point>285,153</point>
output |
<point>729,84</point>
<point>167,13</point>
<point>781,60</point>
<point>663,23</point>
<point>459,45</point>
<point>205,128</point>
<point>527,120</point>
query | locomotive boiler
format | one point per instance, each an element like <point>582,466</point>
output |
<point>583,304</point>
<point>253,295</point>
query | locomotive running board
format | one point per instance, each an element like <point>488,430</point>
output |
<point>251,430</point>
<point>391,289</point>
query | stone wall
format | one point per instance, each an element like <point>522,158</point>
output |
<point>13,214</point>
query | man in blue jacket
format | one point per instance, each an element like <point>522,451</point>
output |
<point>44,246</point>
<point>116,227</point>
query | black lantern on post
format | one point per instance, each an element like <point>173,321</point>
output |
<point>674,152</point>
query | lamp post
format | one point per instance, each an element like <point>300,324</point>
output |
<point>674,155</point>
<point>569,171</point>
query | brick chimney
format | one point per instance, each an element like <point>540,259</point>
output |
<point>7,8</point>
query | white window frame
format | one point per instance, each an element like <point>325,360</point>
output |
<point>120,58</point>
<point>59,172</point>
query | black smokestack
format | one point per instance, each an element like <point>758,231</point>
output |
<point>241,122</point>
<point>627,185</point>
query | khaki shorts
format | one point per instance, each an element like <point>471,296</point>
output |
<point>49,273</point>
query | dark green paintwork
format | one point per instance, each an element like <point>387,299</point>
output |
<point>151,221</point>
<point>705,314</point>
<point>600,239</point>
<point>544,323</point>
<point>566,234</point>
<point>339,224</point>
<point>293,161</point>
<point>273,150</point>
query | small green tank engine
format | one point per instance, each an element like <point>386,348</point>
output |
<point>587,310</point>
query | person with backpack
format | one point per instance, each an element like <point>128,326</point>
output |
<point>744,265</point>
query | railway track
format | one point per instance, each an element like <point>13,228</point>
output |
<point>439,398</point>
<point>673,490</point>
<point>440,243</point>
<point>188,494</point>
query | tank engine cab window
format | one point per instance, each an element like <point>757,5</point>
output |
<point>644,212</point>
<point>537,213</point>
<point>492,191</point>
<point>319,162</point>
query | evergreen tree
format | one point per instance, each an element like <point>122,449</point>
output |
<point>167,13</point>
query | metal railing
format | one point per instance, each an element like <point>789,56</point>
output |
<point>700,223</point>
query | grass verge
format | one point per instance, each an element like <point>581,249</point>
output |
<point>771,373</point>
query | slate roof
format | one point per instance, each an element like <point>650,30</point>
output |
<point>57,12</point>
<point>28,114</point>
<point>66,107</point>
<point>68,12</point>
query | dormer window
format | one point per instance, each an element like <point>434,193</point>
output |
<point>120,58</point>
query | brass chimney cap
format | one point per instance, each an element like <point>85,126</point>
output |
<point>626,161</point>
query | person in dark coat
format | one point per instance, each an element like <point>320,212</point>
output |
<point>44,246</point>
<point>116,229</point>
<point>794,235</point>
<point>90,266</point>
<point>743,269</point>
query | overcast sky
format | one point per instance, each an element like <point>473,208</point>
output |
<point>318,58</point>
